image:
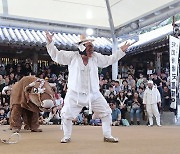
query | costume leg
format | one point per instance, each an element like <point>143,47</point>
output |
<point>34,120</point>
<point>25,119</point>
<point>156,113</point>
<point>150,113</point>
<point>69,112</point>
<point>16,114</point>
<point>103,111</point>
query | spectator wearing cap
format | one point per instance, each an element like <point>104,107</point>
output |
<point>150,100</point>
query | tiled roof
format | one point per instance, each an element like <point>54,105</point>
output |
<point>156,44</point>
<point>21,36</point>
<point>152,40</point>
<point>36,38</point>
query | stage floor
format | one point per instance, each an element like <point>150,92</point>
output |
<point>89,140</point>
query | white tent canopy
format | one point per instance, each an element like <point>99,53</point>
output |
<point>77,15</point>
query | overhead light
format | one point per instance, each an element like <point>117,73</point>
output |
<point>89,31</point>
<point>134,25</point>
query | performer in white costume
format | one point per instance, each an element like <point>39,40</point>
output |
<point>83,83</point>
<point>151,98</point>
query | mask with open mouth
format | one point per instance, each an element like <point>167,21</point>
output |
<point>41,94</point>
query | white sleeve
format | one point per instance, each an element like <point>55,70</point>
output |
<point>145,97</point>
<point>158,95</point>
<point>105,60</point>
<point>59,56</point>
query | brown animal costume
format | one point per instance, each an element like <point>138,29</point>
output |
<point>29,96</point>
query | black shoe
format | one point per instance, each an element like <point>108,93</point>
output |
<point>138,122</point>
<point>132,123</point>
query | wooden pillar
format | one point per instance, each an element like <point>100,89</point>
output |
<point>158,62</point>
<point>35,62</point>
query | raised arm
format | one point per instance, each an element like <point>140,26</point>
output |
<point>61,57</point>
<point>104,60</point>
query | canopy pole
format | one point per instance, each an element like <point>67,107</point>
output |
<point>5,7</point>
<point>114,43</point>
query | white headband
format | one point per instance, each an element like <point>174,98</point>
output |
<point>150,81</point>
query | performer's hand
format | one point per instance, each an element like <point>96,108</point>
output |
<point>125,46</point>
<point>49,36</point>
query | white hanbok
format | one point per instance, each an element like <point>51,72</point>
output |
<point>83,86</point>
<point>150,99</point>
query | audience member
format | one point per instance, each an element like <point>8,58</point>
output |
<point>116,114</point>
<point>120,91</point>
<point>136,108</point>
<point>122,103</point>
<point>3,117</point>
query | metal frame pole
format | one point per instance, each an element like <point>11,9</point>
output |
<point>5,7</point>
<point>115,44</point>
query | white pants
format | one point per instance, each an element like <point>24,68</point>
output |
<point>152,109</point>
<point>71,110</point>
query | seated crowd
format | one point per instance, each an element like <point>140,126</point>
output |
<point>124,95</point>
